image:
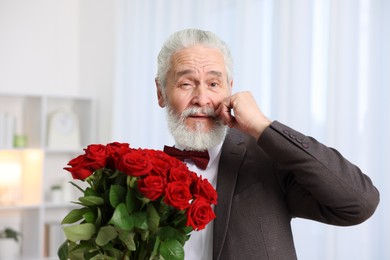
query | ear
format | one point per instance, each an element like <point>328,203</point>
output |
<point>231,86</point>
<point>160,96</point>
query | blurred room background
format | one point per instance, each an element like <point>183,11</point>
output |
<point>319,66</point>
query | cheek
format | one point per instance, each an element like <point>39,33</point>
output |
<point>217,100</point>
<point>177,107</point>
<point>178,102</point>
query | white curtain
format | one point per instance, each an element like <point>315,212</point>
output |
<point>320,66</point>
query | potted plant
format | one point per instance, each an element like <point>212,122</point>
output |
<point>10,234</point>
<point>56,193</point>
<point>9,247</point>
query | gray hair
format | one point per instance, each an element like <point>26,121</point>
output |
<point>187,38</point>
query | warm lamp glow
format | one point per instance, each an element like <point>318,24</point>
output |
<point>10,176</point>
<point>10,173</point>
<point>33,156</point>
<point>18,167</point>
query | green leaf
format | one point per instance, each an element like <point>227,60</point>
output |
<point>98,221</point>
<point>74,215</point>
<point>166,233</point>
<point>63,251</point>
<point>179,219</point>
<point>79,232</point>
<point>121,218</point>
<point>131,182</point>
<point>128,239</point>
<point>105,234</point>
<point>91,200</point>
<point>79,255</point>
<point>116,254</point>
<point>93,255</point>
<point>164,211</point>
<point>144,234</point>
<point>140,220</point>
<point>155,248</point>
<point>103,257</point>
<point>89,217</point>
<point>187,229</point>
<point>117,195</point>
<point>107,247</point>
<point>171,249</point>
<point>153,218</point>
<point>113,174</point>
<point>77,250</point>
<point>132,202</point>
<point>90,192</point>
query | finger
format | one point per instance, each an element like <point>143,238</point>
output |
<point>224,111</point>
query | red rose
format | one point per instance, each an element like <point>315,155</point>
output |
<point>203,188</point>
<point>199,214</point>
<point>173,162</point>
<point>177,195</point>
<point>181,174</point>
<point>152,186</point>
<point>79,160</point>
<point>194,177</point>
<point>114,152</point>
<point>117,148</point>
<point>96,154</point>
<point>160,167</point>
<point>80,168</point>
<point>79,172</point>
<point>134,163</point>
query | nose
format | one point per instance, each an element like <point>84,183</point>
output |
<point>201,96</point>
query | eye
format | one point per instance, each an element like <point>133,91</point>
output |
<point>214,84</point>
<point>185,85</point>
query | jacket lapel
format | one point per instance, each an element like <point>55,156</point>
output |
<point>229,164</point>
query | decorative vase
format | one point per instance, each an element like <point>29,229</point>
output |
<point>9,249</point>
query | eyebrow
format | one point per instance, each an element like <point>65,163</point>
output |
<point>184,72</point>
<point>189,71</point>
<point>215,73</point>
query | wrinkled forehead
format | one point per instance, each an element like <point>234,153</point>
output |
<point>198,59</point>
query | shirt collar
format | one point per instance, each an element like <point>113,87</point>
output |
<point>213,152</point>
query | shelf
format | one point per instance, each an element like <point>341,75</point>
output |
<point>63,205</point>
<point>11,208</point>
<point>27,201</point>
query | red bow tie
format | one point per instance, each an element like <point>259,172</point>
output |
<point>201,159</point>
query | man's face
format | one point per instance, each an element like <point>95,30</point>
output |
<point>197,79</point>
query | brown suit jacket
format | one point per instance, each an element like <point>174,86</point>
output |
<point>263,184</point>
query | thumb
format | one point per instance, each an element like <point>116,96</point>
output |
<point>224,111</point>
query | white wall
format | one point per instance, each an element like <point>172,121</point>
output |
<point>61,47</point>
<point>39,47</point>
<point>97,58</point>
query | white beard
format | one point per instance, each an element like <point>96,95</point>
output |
<point>197,139</point>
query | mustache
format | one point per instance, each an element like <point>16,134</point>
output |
<point>208,111</point>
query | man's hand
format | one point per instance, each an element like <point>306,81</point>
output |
<point>241,111</point>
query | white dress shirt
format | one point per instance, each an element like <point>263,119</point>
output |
<point>200,244</point>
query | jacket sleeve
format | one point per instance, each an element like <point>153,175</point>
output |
<point>318,182</point>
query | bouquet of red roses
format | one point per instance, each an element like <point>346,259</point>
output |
<point>138,204</point>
